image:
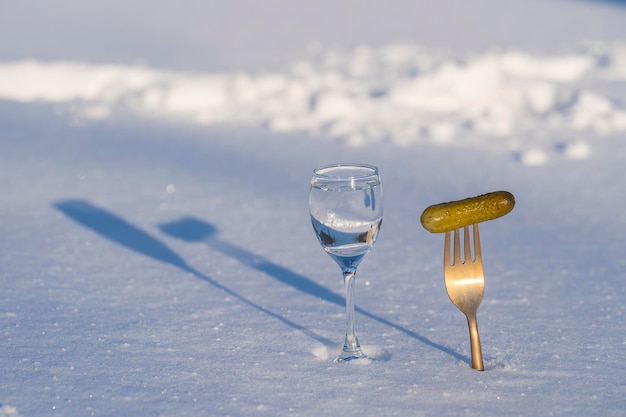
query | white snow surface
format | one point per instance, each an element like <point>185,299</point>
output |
<point>396,94</point>
<point>156,251</point>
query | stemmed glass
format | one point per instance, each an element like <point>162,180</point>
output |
<point>346,205</point>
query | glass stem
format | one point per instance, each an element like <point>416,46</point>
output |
<point>351,345</point>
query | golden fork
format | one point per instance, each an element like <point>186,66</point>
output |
<point>465,284</point>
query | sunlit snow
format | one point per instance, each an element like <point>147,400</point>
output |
<point>156,250</point>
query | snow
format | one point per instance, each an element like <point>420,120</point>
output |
<point>396,93</point>
<point>156,252</point>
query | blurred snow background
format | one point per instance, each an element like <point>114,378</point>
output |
<point>506,75</point>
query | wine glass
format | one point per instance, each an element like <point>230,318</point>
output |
<point>346,205</point>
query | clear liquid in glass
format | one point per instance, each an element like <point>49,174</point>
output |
<point>349,247</point>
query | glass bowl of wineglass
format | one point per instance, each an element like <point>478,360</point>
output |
<point>346,206</point>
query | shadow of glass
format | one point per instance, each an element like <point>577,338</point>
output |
<point>192,230</point>
<point>197,231</point>
<point>125,234</point>
<point>121,232</point>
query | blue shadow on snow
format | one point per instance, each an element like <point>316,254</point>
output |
<point>125,234</point>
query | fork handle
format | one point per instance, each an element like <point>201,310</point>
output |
<point>477,354</point>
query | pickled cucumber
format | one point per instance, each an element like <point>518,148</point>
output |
<point>452,215</point>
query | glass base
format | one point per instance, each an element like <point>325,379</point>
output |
<point>351,355</point>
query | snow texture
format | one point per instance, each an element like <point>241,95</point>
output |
<point>156,251</point>
<point>396,94</point>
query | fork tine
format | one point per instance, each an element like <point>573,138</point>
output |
<point>477,252</point>
<point>446,251</point>
<point>457,247</point>
<point>467,250</point>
